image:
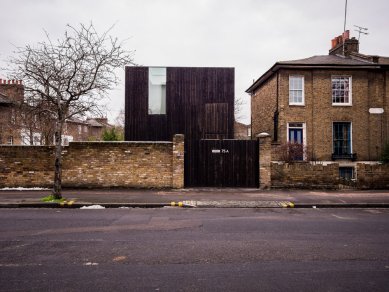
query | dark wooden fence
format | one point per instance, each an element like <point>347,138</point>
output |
<point>228,163</point>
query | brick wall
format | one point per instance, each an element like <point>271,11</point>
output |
<point>305,175</point>
<point>26,166</point>
<point>372,176</point>
<point>96,164</point>
<point>318,113</point>
<point>263,106</point>
<point>369,90</point>
<point>265,156</point>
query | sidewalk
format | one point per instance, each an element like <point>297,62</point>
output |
<point>201,197</point>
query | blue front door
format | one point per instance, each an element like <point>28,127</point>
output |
<point>296,136</point>
<point>296,150</point>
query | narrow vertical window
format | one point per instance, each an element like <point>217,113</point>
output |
<point>157,91</point>
<point>342,139</point>
<point>341,90</point>
<point>296,90</point>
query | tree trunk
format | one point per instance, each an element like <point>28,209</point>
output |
<point>31,134</point>
<point>57,188</point>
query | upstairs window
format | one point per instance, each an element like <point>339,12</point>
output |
<point>341,90</point>
<point>342,139</point>
<point>157,91</point>
<point>296,90</point>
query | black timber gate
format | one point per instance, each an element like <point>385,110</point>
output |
<point>228,163</point>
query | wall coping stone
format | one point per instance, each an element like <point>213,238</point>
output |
<point>118,142</point>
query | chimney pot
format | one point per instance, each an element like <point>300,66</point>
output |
<point>346,35</point>
<point>333,43</point>
<point>340,39</point>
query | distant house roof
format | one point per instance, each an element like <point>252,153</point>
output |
<point>322,61</point>
<point>94,123</point>
<point>98,122</point>
<point>76,121</point>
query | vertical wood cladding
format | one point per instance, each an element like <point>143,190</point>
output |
<point>216,120</point>
<point>136,94</point>
<point>199,104</point>
<point>228,163</point>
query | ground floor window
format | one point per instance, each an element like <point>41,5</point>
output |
<point>10,140</point>
<point>342,138</point>
<point>346,173</point>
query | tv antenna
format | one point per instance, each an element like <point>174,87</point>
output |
<point>345,19</point>
<point>361,30</point>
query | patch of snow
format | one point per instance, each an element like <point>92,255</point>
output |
<point>90,264</point>
<point>124,207</point>
<point>93,207</point>
<point>24,189</point>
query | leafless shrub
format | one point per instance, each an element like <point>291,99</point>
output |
<point>292,152</point>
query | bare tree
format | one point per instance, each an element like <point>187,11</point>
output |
<point>34,119</point>
<point>70,77</point>
<point>120,118</point>
<point>119,124</point>
<point>239,104</point>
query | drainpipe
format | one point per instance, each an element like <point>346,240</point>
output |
<point>313,117</point>
<point>276,113</point>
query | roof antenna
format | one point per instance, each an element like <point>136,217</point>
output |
<point>361,30</point>
<point>344,26</point>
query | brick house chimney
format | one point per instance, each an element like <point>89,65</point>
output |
<point>350,45</point>
<point>13,89</point>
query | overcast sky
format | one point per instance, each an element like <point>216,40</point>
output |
<point>250,35</point>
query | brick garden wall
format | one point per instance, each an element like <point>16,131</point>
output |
<point>26,166</point>
<point>372,176</point>
<point>96,164</point>
<point>305,175</point>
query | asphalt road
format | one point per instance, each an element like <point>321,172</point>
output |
<point>172,249</point>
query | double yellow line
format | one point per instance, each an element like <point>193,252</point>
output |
<point>66,203</point>
<point>287,205</point>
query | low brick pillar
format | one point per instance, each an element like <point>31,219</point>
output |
<point>264,160</point>
<point>178,161</point>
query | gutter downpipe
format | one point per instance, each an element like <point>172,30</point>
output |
<point>276,113</point>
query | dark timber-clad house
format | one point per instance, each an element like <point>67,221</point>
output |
<point>196,102</point>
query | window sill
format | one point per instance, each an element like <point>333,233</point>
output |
<point>297,104</point>
<point>351,156</point>
<point>342,104</point>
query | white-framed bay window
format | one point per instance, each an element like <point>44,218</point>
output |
<point>341,90</point>
<point>296,90</point>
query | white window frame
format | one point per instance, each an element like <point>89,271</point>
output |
<point>157,91</point>
<point>304,127</point>
<point>291,102</point>
<point>10,140</point>
<point>350,97</point>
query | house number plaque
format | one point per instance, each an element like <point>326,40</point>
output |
<point>217,151</point>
